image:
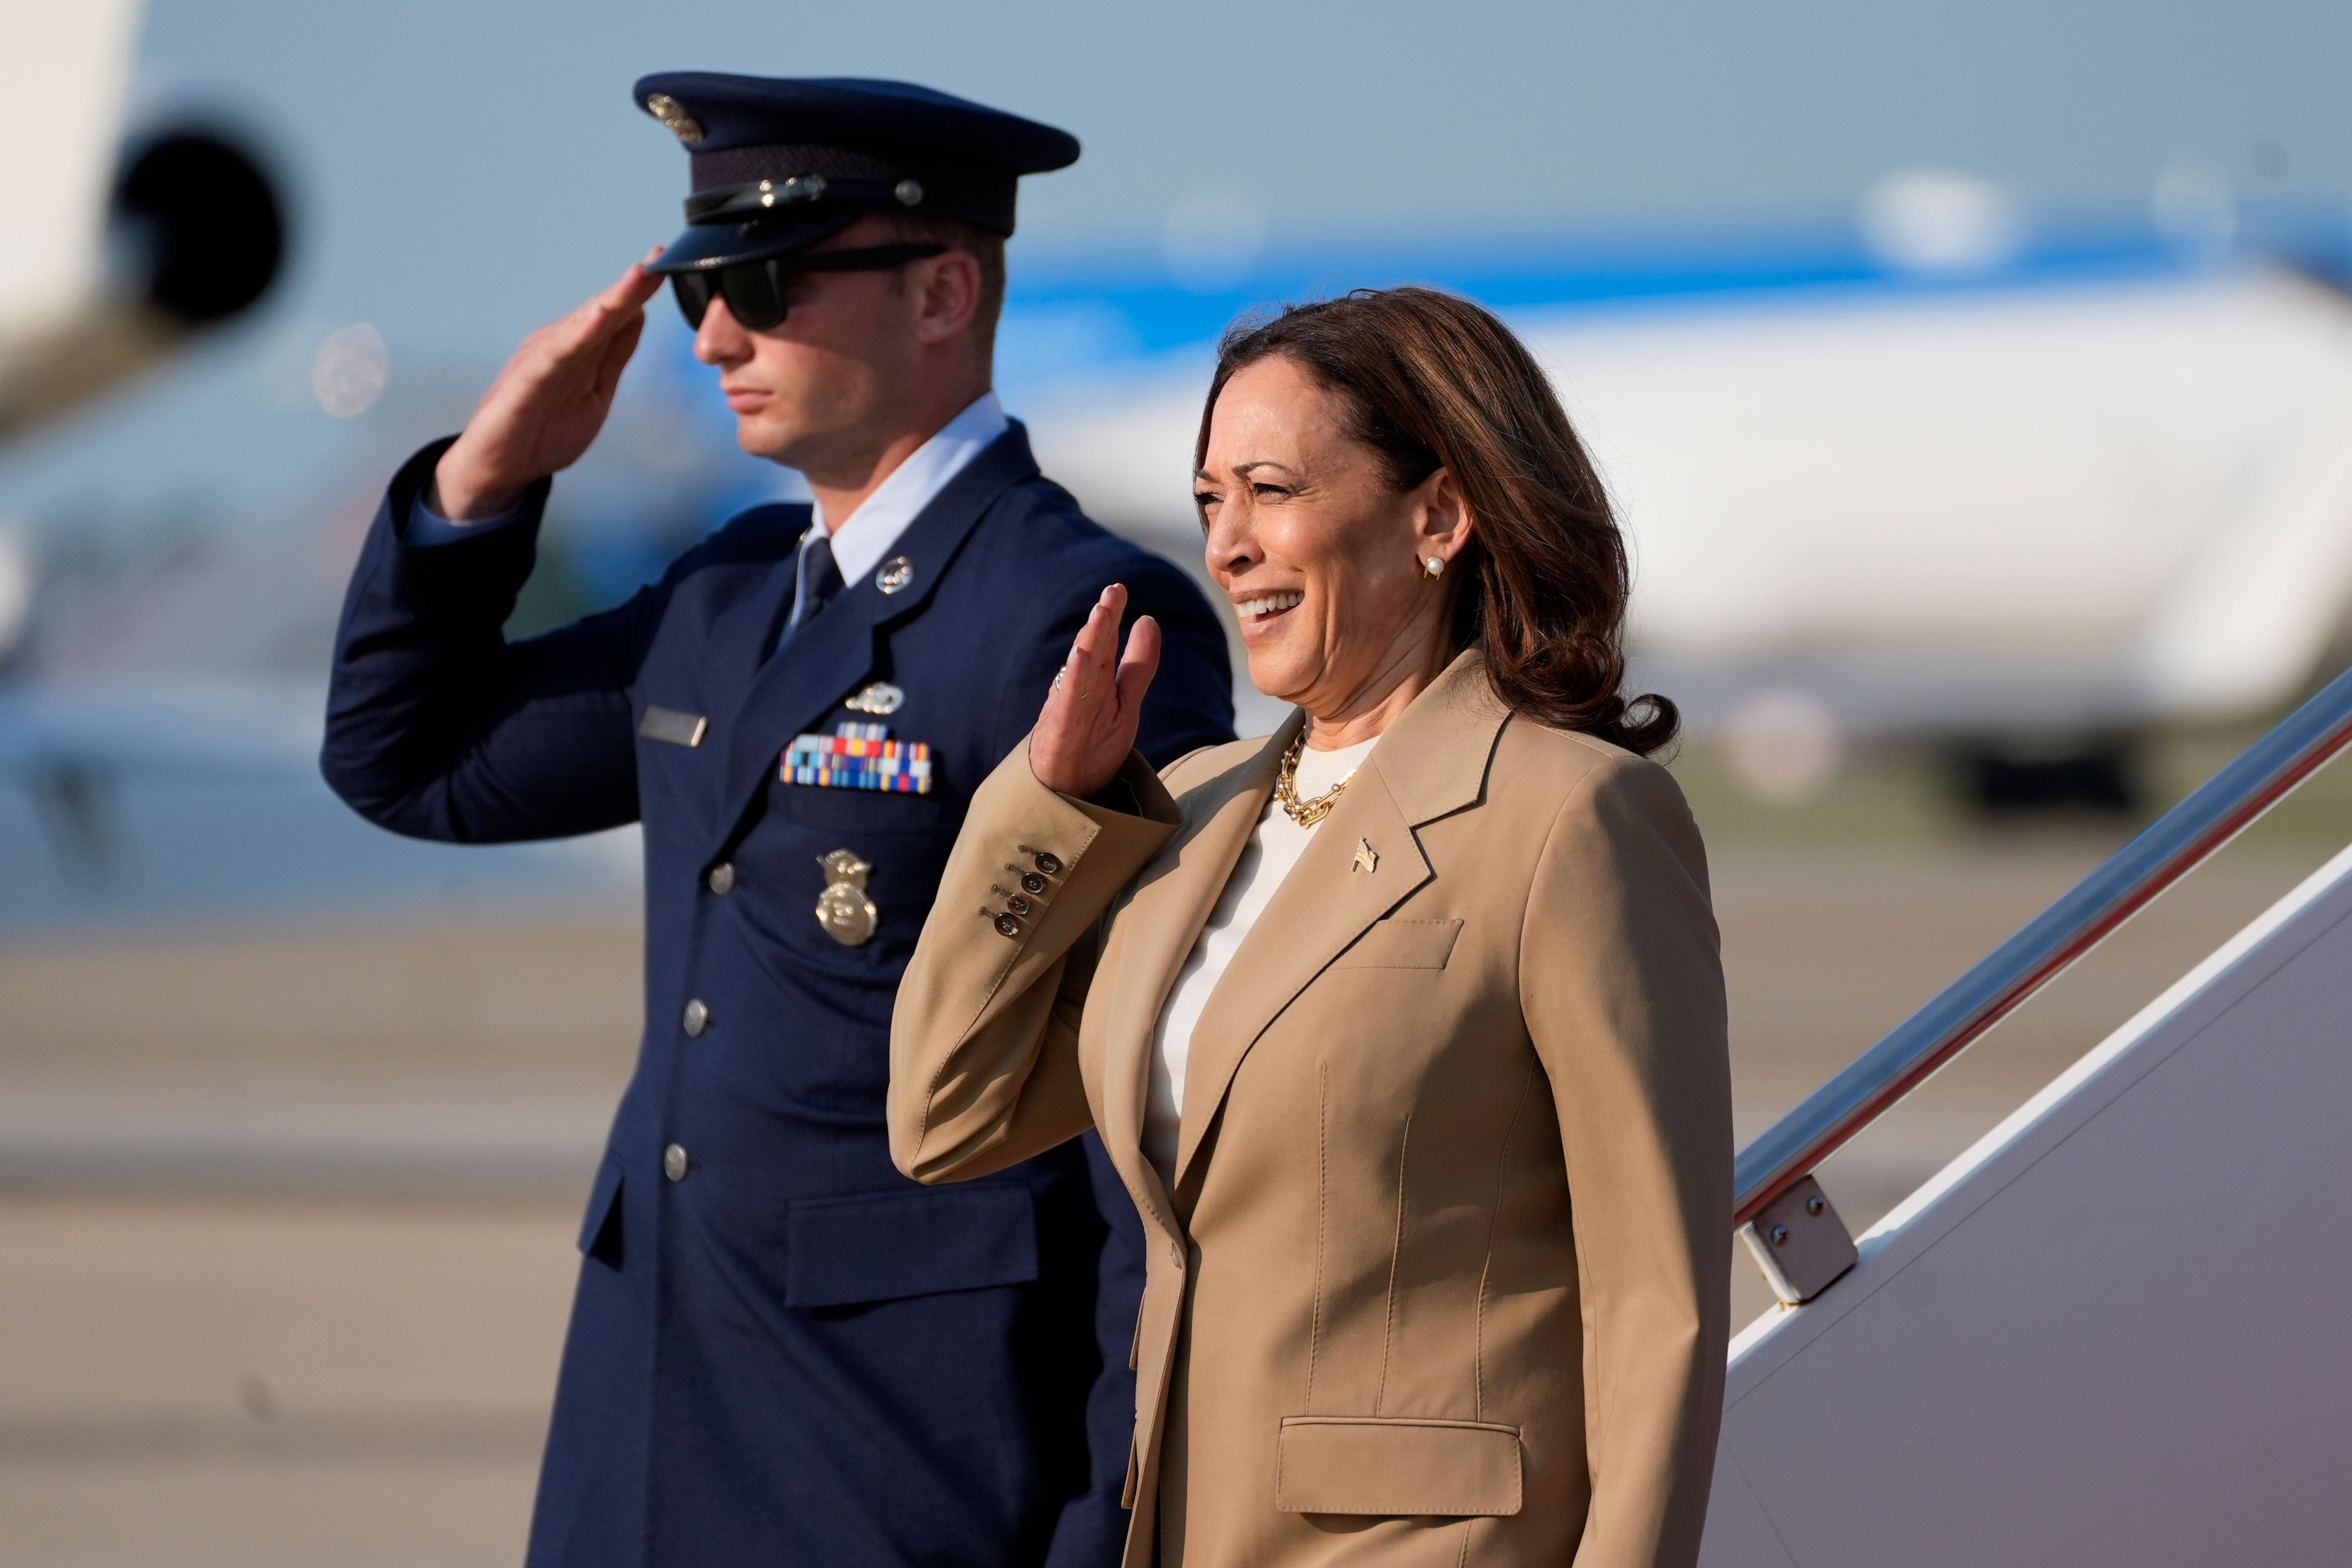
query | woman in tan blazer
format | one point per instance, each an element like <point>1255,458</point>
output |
<point>1413,1057</point>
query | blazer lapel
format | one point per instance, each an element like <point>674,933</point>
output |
<point>1324,904</point>
<point>1436,755</point>
<point>832,652</point>
<point>1155,931</point>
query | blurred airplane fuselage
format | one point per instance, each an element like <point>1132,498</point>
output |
<point>2047,503</point>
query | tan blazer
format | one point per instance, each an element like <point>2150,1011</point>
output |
<point>1442,1278</point>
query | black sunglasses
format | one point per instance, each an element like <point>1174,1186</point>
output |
<point>754,290</point>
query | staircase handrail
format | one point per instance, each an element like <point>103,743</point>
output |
<point>2171,847</point>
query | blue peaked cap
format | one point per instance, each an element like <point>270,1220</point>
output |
<point>781,164</point>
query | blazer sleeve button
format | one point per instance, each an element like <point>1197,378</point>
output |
<point>1007,926</point>
<point>1048,863</point>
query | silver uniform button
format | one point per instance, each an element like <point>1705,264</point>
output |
<point>675,1165</point>
<point>722,877</point>
<point>698,1017</point>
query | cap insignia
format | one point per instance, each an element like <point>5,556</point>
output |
<point>799,188</point>
<point>673,114</point>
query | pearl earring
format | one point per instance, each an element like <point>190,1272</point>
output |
<point>1434,568</point>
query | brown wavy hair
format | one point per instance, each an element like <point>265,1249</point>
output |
<point>1431,381</point>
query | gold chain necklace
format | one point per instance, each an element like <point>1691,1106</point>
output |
<point>1305,812</point>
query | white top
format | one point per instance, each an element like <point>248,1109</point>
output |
<point>861,539</point>
<point>1274,849</point>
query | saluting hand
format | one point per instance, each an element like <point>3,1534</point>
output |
<point>547,404</point>
<point>1087,726</point>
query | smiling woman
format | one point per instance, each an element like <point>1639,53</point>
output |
<point>1406,412</point>
<point>1403,1026</point>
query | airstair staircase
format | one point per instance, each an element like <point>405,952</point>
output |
<point>2116,1330</point>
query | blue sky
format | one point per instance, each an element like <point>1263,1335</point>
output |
<point>467,168</point>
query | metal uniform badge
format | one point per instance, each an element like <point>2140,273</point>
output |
<point>879,698</point>
<point>897,575</point>
<point>845,911</point>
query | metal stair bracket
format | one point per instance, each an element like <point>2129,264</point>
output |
<point>1772,1182</point>
<point>1799,1243</point>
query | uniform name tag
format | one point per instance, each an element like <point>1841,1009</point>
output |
<point>669,724</point>
<point>859,756</point>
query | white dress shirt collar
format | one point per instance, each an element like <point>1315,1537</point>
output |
<point>866,535</point>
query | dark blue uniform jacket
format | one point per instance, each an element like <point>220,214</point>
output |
<point>791,1353</point>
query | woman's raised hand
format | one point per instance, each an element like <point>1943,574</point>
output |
<point>1087,725</point>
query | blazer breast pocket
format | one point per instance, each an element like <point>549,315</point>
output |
<point>1402,944</point>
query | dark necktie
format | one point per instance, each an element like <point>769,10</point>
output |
<point>819,580</point>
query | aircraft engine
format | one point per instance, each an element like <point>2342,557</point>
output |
<point>195,233</point>
<point>202,224</point>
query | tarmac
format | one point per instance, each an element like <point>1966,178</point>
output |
<point>289,1211</point>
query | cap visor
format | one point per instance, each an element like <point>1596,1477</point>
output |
<point>701,246</point>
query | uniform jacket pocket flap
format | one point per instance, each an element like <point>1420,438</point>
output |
<point>883,1247</point>
<point>603,1198</point>
<point>1402,944</point>
<point>1375,1464</point>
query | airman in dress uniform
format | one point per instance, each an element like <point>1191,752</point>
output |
<point>780,1350</point>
